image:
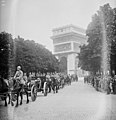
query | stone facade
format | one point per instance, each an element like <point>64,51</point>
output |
<point>66,41</point>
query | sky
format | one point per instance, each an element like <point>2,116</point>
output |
<point>35,19</point>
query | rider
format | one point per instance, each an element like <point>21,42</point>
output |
<point>19,75</point>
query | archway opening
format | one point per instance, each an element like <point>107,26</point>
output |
<point>63,65</point>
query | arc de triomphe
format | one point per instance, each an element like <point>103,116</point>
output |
<point>66,41</point>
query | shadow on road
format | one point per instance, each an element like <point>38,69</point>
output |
<point>3,112</point>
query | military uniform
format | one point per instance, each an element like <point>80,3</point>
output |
<point>19,76</point>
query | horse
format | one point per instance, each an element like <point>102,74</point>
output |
<point>85,79</point>
<point>17,90</point>
<point>68,80</point>
<point>62,82</point>
<point>4,89</point>
<point>54,84</point>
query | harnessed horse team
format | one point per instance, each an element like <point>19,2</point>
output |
<point>19,84</point>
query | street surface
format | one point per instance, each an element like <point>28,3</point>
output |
<point>76,102</point>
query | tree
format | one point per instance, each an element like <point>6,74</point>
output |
<point>112,36</point>
<point>34,57</point>
<point>6,50</point>
<point>90,56</point>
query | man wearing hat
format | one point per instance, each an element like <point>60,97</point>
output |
<point>19,75</point>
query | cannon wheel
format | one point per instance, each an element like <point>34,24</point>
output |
<point>33,93</point>
<point>45,89</point>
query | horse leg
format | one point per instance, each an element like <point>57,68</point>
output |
<point>56,88</point>
<point>49,87</point>
<point>26,91</point>
<point>17,99</point>
<point>21,95</point>
<point>27,94</point>
<point>5,99</point>
<point>9,98</point>
<point>53,88</point>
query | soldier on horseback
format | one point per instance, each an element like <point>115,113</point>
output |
<point>19,76</point>
<point>19,85</point>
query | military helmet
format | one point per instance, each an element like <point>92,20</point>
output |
<point>19,67</point>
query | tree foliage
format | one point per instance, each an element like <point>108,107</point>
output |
<point>112,36</point>
<point>32,57</point>
<point>6,47</point>
<point>90,56</point>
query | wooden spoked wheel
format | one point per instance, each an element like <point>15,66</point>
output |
<point>33,93</point>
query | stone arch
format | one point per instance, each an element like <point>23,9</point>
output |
<point>66,41</point>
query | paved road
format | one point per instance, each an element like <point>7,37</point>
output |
<point>76,102</point>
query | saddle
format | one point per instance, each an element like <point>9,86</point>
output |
<point>16,84</point>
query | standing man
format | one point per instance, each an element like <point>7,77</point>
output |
<point>108,83</point>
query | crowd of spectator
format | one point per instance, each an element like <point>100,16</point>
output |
<point>100,82</point>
